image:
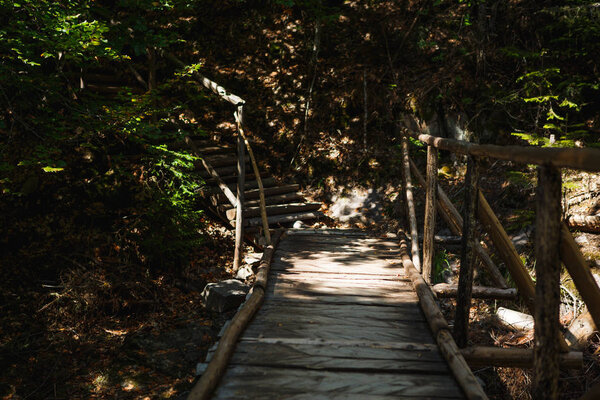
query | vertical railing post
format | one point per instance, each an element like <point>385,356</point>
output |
<point>467,254</point>
<point>547,290</point>
<point>239,219</point>
<point>430,210</point>
<point>410,205</point>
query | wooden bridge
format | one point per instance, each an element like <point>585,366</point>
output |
<point>340,320</point>
<point>350,315</point>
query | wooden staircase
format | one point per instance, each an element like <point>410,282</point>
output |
<point>284,203</point>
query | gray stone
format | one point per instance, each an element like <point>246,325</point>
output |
<point>200,368</point>
<point>523,238</point>
<point>225,295</point>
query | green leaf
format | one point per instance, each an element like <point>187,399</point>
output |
<point>552,115</point>
<point>52,169</point>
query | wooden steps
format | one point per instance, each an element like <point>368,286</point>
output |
<point>275,209</point>
<point>284,204</point>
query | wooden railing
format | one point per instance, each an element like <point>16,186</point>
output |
<point>553,244</point>
<point>243,144</point>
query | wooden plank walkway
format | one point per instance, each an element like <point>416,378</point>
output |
<point>339,321</point>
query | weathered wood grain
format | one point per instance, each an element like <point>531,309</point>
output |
<point>340,358</point>
<point>340,264</point>
<point>339,321</point>
<point>347,313</point>
<point>248,382</point>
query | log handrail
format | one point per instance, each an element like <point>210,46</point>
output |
<point>239,103</point>
<point>581,159</point>
<point>554,244</point>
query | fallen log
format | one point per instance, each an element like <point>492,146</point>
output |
<point>445,290</point>
<point>514,319</point>
<point>441,331</point>
<point>584,223</point>
<point>484,356</point>
<point>218,363</point>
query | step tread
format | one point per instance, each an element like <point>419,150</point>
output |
<point>275,209</point>
<point>283,218</point>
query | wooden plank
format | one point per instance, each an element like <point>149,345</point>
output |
<point>328,232</point>
<point>322,328</point>
<point>309,395</point>
<point>394,345</point>
<point>331,266</point>
<point>333,282</point>
<point>339,358</point>
<point>227,194</point>
<point>233,178</point>
<point>366,250</point>
<point>339,277</point>
<point>334,241</point>
<point>254,193</point>
<point>348,296</point>
<point>241,382</point>
<point>285,218</point>
<point>283,288</point>
<point>276,209</point>
<point>277,199</point>
<point>406,311</point>
<point>223,171</point>
<point>224,160</point>
<point>269,182</point>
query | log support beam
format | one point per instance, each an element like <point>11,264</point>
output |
<point>430,210</point>
<point>547,293</point>
<point>467,255</point>
<point>410,204</point>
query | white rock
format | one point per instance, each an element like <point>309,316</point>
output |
<point>244,272</point>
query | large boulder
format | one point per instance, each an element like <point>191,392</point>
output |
<point>225,295</point>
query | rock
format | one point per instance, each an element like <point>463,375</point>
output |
<point>580,330</point>
<point>522,238</point>
<point>200,368</point>
<point>225,295</point>
<point>244,272</point>
<point>298,225</point>
<point>251,258</point>
<point>581,240</point>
